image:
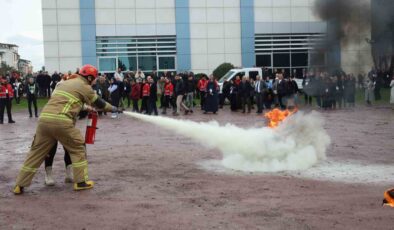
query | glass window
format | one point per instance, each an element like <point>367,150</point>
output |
<point>299,59</point>
<point>281,60</point>
<point>147,63</point>
<point>166,62</point>
<point>263,60</point>
<point>107,64</point>
<point>253,74</point>
<point>127,63</point>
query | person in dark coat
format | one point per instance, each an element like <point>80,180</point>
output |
<point>260,89</point>
<point>212,98</point>
<point>152,96</point>
<point>114,94</point>
<point>31,91</point>
<point>47,85</point>
<point>268,95</point>
<point>121,88</point>
<point>350,91</point>
<point>339,91</point>
<point>180,92</point>
<point>40,80</point>
<point>245,89</point>
<point>233,91</point>
<point>282,91</point>
<point>225,93</point>
<point>55,79</point>
<point>292,92</point>
<point>126,91</point>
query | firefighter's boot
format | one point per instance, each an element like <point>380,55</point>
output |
<point>48,177</point>
<point>83,185</point>
<point>18,190</point>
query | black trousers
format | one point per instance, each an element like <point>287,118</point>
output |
<point>259,102</point>
<point>51,156</point>
<point>168,100</point>
<point>5,103</point>
<point>145,106</point>
<point>135,106</point>
<point>246,101</point>
<point>221,100</point>
<point>31,99</point>
<point>202,100</point>
<point>280,99</point>
<point>153,107</point>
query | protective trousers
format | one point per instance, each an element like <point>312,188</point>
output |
<point>47,134</point>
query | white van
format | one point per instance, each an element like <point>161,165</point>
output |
<point>249,72</point>
<point>233,73</point>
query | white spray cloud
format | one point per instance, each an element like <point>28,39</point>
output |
<point>297,144</point>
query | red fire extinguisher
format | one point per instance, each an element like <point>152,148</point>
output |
<point>91,128</point>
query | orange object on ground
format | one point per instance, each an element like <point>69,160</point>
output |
<point>389,198</point>
<point>276,116</point>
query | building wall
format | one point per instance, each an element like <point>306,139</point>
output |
<point>209,32</point>
<point>215,34</point>
<point>62,35</point>
<point>135,17</point>
<point>286,16</point>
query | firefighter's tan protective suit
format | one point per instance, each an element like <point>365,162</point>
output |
<point>57,123</point>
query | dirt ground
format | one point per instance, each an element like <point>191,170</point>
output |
<point>149,178</point>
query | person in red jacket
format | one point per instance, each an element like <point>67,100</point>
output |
<point>201,86</point>
<point>135,95</point>
<point>145,96</point>
<point>6,95</point>
<point>168,96</point>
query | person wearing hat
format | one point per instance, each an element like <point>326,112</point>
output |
<point>57,123</point>
<point>6,95</point>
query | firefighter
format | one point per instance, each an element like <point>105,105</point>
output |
<point>57,123</point>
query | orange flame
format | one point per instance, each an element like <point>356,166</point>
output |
<point>276,116</point>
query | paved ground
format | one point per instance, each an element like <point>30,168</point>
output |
<point>148,178</point>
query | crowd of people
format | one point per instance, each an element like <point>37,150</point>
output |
<point>154,94</point>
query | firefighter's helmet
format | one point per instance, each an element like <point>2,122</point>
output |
<point>88,70</point>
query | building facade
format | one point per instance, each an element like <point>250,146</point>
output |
<point>9,55</point>
<point>182,35</point>
<point>24,66</point>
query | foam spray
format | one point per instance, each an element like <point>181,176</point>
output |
<point>296,144</point>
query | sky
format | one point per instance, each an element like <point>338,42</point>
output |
<point>21,24</point>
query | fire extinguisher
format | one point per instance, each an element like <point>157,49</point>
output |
<point>91,127</point>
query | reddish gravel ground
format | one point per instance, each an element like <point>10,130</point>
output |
<point>149,178</point>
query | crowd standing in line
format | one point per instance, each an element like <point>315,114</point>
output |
<point>179,91</point>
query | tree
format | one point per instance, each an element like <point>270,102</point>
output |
<point>222,69</point>
<point>4,69</point>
